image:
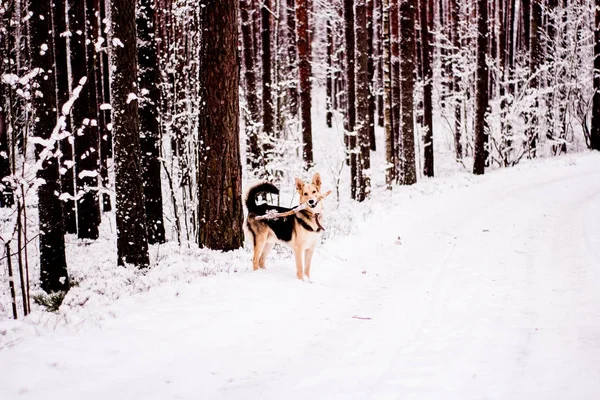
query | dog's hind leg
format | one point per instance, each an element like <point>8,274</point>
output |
<point>260,241</point>
<point>308,254</point>
<point>265,253</point>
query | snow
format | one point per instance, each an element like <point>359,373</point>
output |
<point>459,287</point>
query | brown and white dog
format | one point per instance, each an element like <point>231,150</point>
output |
<point>300,231</point>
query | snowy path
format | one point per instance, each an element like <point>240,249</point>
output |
<point>493,293</point>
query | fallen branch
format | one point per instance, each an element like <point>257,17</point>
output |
<point>303,206</point>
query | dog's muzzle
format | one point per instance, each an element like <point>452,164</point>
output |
<point>312,203</point>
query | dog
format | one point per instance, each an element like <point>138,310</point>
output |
<point>300,231</point>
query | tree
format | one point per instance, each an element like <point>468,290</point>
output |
<point>291,34</point>
<point>304,72</point>
<point>426,9</point>
<point>407,67</point>
<point>364,117</point>
<point>595,134</point>
<point>481,137</point>
<point>252,121</point>
<point>84,122</point>
<point>350,117</point>
<point>267,102</point>
<point>390,156</point>
<point>220,211</point>
<point>535,61</point>
<point>456,79</point>
<point>395,76</point>
<point>149,126</point>
<point>53,265</point>
<point>132,239</point>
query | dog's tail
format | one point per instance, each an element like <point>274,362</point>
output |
<point>261,187</point>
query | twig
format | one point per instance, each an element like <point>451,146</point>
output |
<point>295,210</point>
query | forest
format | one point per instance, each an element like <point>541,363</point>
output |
<point>139,122</point>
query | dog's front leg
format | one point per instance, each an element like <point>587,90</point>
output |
<point>298,256</point>
<point>308,253</point>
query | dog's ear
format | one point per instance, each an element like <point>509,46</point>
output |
<point>316,180</point>
<point>299,185</point>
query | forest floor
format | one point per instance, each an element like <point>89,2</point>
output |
<point>459,287</point>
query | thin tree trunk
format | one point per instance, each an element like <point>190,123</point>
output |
<point>254,156</point>
<point>395,75</point>
<point>329,76</point>
<point>390,159</point>
<point>428,169</point>
<point>380,62</point>
<point>595,134</point>
<point>535,60</point>
<point>220,209</point>
<point>267,101</point>
<point>372,56</point>
<point>481,136</point>
<point>304,72</point>
<point>364,117</point>
<point>350,120</point>
<point>132,239</point>
<point>106,141</point>
<point>456,80</point>
<point>11,281</point>
<point>407,67</point>
<point>53,265</point>
<point>149,126</point>
<point>292,67</point>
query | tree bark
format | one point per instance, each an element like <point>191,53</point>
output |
<point>372,56</point>
<point>481,102</point>
<point>304,72</point>
<point>350,120</point>
<point>149,127</point>
<point>132,239</point>
<point>428,169</point>
<point>364,116</point>
<point>329,76</point>
<point>395,74</point>
<point>267,101</point>
<point>407,67</point>
<point>595,134</point>
<point>220,211</point>
<point>456,80</point>
<point>53,265</point>
<point>292,57</point>
<point>390,169</point>
<point>535,60</point>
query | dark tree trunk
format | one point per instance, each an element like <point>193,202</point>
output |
<point>526,12</point>
<point>364,116</point>
<point>67,178</point>
<point>105,134</point>
<point>427,89</point>
<point>390,158</point>
<point>84,122</point>
<point>595,134</point>
<point>149,127</point>
<point>407,66</point>
<point>267,101</point>
<point>395,74</point>
<point>372,58</point>
<point>220,209</point>
<point>254,156</point>
<point>535,60</point>
<point>293,86</point>
<point>7,198</point>
<point>304,72</point>
<point>53,264</point>
<point>481,136</point>
<point>380,62</point>
<point>350,120</point>
<point>329,75</point>
<point>132,239</point>
<point>456,81</point>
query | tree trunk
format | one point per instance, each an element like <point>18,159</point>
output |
<point>595,134</point>
<point>106,141</point>
<point>267,101</point>
<point>53,264</point>
<point>427,88</point>
<point>329,76</point>
<point>380,62</point>
<point>456,80</point>
<point>407,67</point>
<point>481,136</point>
<point>149,127</point>
<point>220,211</point>
<point>7,198</point>
<point>390,169</point>
<point>304,72</point>
<point>535,60</point>
<point>364,117</point>
<point>84,123</point>
<point>254,156</point>
<point>395,74</point>
<point>350,120</point>
<point>293,85</point>
<point>132,239</point>
<point>371,59</point>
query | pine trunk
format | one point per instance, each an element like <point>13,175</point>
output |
<point>427,88</point>
<point>350,120</point>
<point>220,211</point>
<point>132,239</point>
<point>252,123</point>
<point>329,76</point>
<point>380,62</point>
<point>106,141</point>
<point>390,170</point>
<point>267,101</point>
<point>292,67</point>
<point>371,66</point>
<point>481,102</point>
<point>407,68</point>
<point>364,117</point>
<point>535,60</point>
<point>149,126</point>
<point>395,63</point>
<point>595,134</point>
<point>304,72</point>
<point>456,81</point>
<point>53,265</point>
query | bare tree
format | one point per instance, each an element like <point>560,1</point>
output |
<point>364,117</point>
<point>595,134</point>
<point>426,10</point>
<point>304,72</point>
<point>481,136</point>
<point>407,67</point>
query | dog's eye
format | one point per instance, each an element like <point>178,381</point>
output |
<point>306,194</point>
<point>314,191</point>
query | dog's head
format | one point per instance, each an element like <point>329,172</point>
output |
<point>310,192</point>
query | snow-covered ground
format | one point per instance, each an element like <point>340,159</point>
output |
<point>457,288</point>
